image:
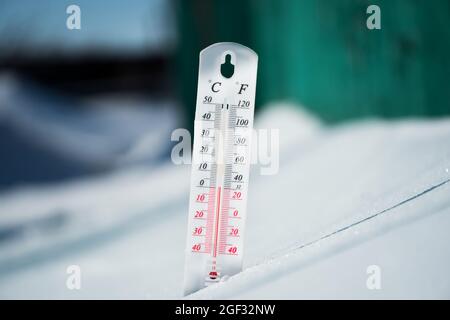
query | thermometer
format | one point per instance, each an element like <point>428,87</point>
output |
<point>221,162</point>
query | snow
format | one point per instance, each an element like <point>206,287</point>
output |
<point>411,251</point>
<point>388,181</point>
<point>96,132</point>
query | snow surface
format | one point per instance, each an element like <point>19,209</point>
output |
<point>345,198</point>
<point>96,132</point>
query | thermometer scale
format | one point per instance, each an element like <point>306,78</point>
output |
<point>221,162</point>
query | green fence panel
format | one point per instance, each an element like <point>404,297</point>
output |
<point>319,53</point>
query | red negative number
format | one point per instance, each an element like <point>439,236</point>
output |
<point>232,250</point>
<point>198,230</point>
<point>237,195</point>
<point>198,214</point>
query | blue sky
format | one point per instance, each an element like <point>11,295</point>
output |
<point>114,24</point>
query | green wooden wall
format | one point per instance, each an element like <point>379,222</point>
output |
<point>319,53</point>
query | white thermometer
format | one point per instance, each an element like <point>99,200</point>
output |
<point>221,163</point>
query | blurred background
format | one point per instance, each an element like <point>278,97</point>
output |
<point>86,115</point>
<point>65,93</point>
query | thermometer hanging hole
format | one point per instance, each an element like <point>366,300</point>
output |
<point>227,68</point>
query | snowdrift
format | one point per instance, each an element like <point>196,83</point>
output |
<point>345,198</point>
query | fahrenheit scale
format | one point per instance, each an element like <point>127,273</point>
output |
<point>221,163</point>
